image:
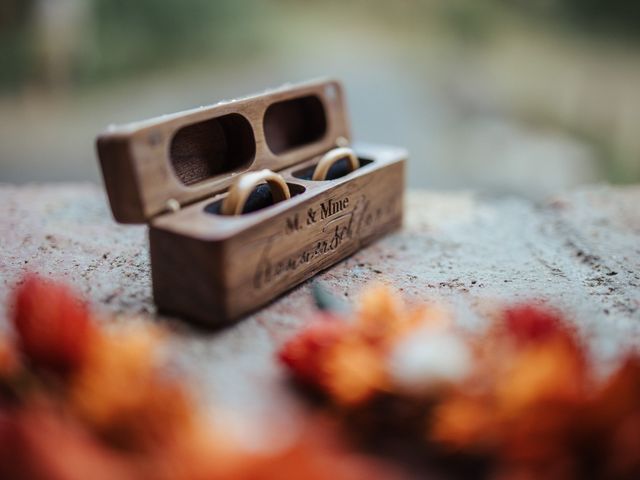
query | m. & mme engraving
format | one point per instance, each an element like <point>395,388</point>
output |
<point>341,226</point>
<point>327,209</point>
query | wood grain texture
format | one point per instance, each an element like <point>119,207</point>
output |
<point>214,268</point>
<point>191,155</point>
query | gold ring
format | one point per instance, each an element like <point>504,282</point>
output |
<point>330,158</point>
<point>234,202</point>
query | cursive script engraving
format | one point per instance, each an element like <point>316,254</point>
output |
<point>344,224</point>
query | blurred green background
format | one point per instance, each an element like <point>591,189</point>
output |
<point>526,97</point>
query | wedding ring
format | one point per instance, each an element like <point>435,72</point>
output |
<point>239,192</point>
<point>330,158</point>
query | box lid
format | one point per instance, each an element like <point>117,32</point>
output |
<point>153,166</point>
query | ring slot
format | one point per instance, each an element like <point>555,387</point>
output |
<point>234,202</point>
<point>330,158</point>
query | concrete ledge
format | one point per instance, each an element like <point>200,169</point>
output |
<point>580,251</point>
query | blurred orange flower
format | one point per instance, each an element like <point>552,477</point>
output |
<point>112,411</point>
<point>523,394</point>
<point>122,394</point>
<point>345,358</point>
<point>46,445</point>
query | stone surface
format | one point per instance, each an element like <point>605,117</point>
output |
<point>579,251</point>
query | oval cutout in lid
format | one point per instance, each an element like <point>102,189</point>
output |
<point>212,147</point>
<point>187,156</point>
<point>295,122</point>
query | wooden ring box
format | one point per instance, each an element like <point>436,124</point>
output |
<point>172,172</point>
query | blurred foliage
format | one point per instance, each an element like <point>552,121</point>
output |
<point>53,49</point>
<point>15,51</point>
<point>119,37</point>
<point>130,35</point>
<point>611,18</point>
<point>470,22</point>
<point>607,16</point>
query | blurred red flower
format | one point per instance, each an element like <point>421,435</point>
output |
<point>53,325</point>
<point>112,411</point>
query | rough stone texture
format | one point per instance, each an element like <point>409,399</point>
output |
<point>579,251</point>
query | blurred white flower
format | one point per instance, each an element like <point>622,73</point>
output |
<point>427,360</point>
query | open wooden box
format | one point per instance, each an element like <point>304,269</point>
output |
<point>172,172</point>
